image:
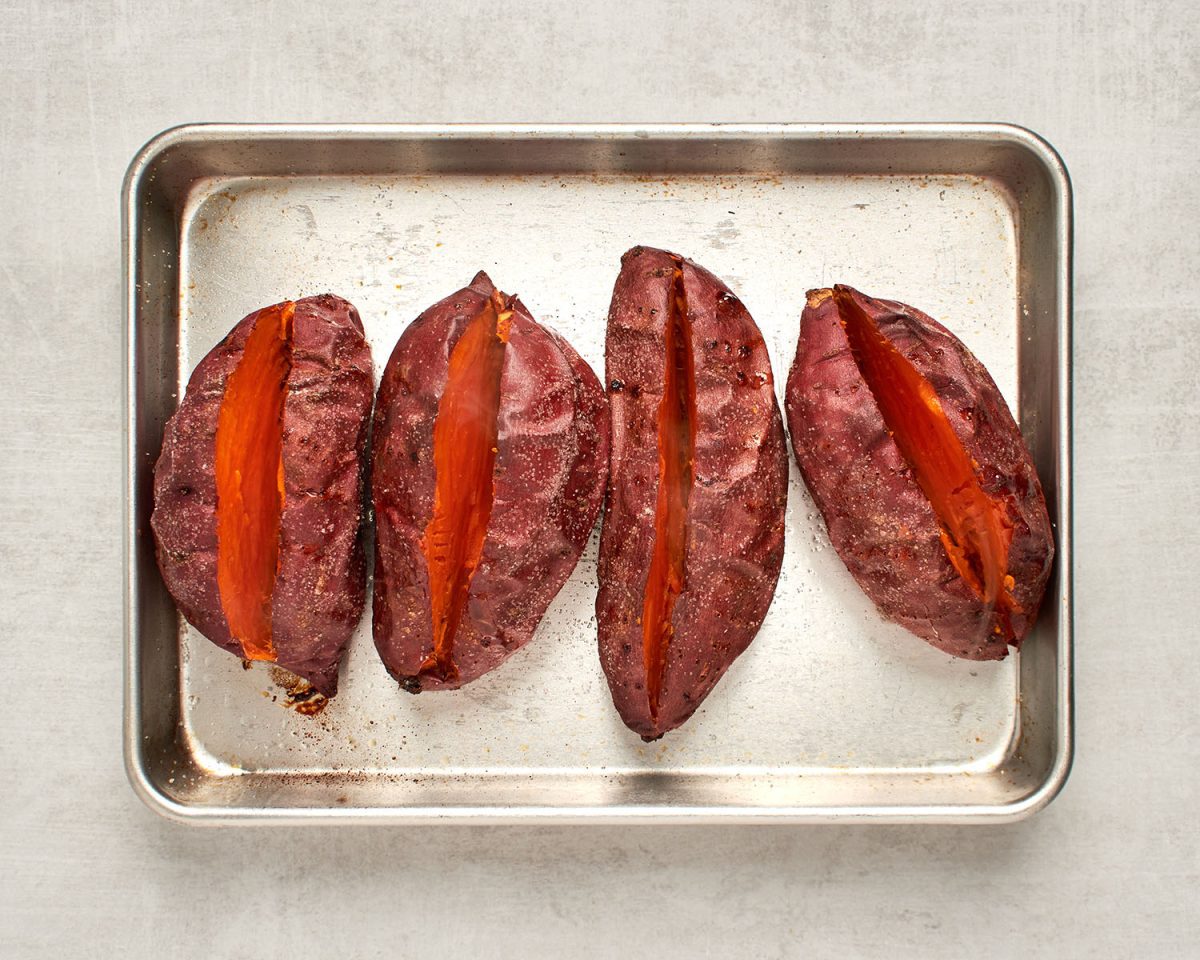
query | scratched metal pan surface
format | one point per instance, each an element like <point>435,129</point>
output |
<point>832,714</point>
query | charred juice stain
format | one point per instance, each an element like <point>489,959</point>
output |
<point>302,696</point>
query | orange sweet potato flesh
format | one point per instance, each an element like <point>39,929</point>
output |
<point>676,449</point>
<point>258,491</point>
<point>928,491</point>
<point>464,455</point>
<point>249,477</point>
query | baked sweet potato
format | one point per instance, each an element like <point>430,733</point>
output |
<point>693,531</point>
<point>258,492</point>
<point>490,453</point>
<point>927,489</point>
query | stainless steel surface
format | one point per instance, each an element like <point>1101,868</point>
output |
<point>832,714</point>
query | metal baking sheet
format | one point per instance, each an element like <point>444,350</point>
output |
<point>832,714</point>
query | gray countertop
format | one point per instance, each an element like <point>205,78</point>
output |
<point>1111,868</point>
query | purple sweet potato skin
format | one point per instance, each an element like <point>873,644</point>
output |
<point>320,587</point>
<point>549,475</point>
<point>880,522</point>
<point>735,512</point>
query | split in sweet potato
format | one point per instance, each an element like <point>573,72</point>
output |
<point>464,455</point>
<point>927,489</point>
<point>488,469</point>
<point>976,531</point>
<point>249,477</point>
<point>258,490</point>
<point>676,449</point>
<point>693,532</point>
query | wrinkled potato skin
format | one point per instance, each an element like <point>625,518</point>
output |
<point>736,507</point>
<point>549,474</point>
<point>320,587</point>
<point>880,522</point>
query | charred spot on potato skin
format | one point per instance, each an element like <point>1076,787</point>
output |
<point>464,453</point>
<point>410,684</point>
<point>676,450</point>
<point>976,531</point>
<point>248,466</point>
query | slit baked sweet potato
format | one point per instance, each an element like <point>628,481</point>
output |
<point>929,494</point>
<point>258,491</point>
<point>692,540</point>
<point>490,455</point>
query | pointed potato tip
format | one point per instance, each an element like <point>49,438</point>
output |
<point>641,250</point>
<point>482,282</point>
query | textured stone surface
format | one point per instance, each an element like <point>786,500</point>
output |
<point>1108,869</point>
